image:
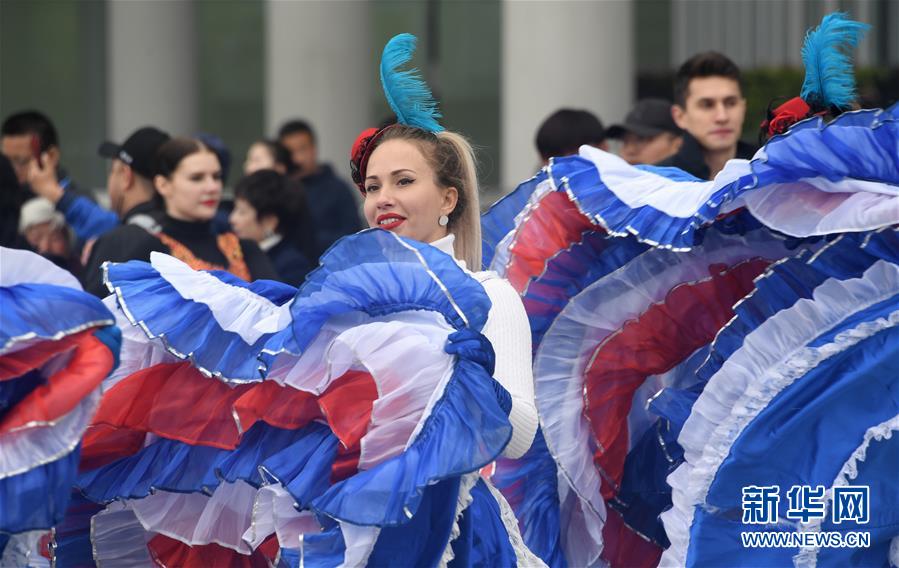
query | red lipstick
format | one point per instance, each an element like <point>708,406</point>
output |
<point>389,221</point>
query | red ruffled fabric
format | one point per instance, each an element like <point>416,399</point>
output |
<point>554,224</point>
<point>175,401</point>
<point>170,553</point>
<point>90,363</point>
<point>17,363</point>
<point>660,339</point>
<point>623,548</point>
<point>348,404</point>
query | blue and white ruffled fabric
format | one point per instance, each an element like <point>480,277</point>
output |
<point>819,334</point>
<point>42,305</point>
<point>816,179</point>
<point>379,304</point>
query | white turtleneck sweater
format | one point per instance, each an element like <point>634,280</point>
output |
<point>508,330</point>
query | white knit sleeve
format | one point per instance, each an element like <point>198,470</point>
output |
<point>508,330</point>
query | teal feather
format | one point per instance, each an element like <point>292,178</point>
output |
<point>829,78</point>
<point>407,93</point>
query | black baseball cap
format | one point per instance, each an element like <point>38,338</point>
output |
<point>648,118</point>
<point>138,150</point>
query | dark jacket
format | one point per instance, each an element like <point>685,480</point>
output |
<point>690,157</point>
<point>12,197</point>
<point>132,242</point>
<point>332,207</point>
<point>290,264</point>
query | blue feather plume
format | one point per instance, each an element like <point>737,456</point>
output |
<point>829,78</point>
<point>407,93</point>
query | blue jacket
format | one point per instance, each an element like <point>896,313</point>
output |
<point>86,218</point>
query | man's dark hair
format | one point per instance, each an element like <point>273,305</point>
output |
<point>296,126</point>
<point>566,130</point>
<point>31,122</point>
<point>706,64</point>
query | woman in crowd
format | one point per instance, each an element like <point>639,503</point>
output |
<point>189,185</point>
<point>269,209</point>
<point>268,155</point>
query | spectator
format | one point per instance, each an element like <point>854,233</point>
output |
<point>130,180</point>
<point>648,134</point>
<point>12,197</point>
<point>709,106</point>
<point>89,219</point>
<point>266,210</point>
<point>45,231</point>
<point>332,205</point>
<point>268,155</point>
<point>188,179</point>
<point>566,130</point>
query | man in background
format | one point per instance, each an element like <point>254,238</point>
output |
<point>648,133</point>
<point>131,195</point>
<point>709,106</point>
<point>19,132</point>
<point>332,204</point>
<point>566,130</point>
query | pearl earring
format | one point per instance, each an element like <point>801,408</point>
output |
<point>443,221</point>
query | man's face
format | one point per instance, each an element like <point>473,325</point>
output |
<point>302,151</point>
<point>714,112</point>
<point>116,184</point>
<point>17,149</point>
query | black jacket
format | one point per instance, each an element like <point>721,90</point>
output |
<point>290,264</point>
<point>690,157</point>
<point>332,207</point>
<point>133,242</point>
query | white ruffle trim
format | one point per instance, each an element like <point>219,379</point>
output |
<point>808,558</point>
<point>403,352</point>
<point>360,541</point>
<point>811,206</point>
<point>138,351</point>
<point>118,539</point>
<point>772,357</point>
<point>808,207</point>
<point>235,309</point>
<point>406,359</point>
<point>22,550</point>
<point>38,444</point>
<point>198,519</point>
<point>638,188</point>
<point>26,267</point>
<point>523,554</point>
<point>466,484</point>
<point>894,552</point>
<point>573,337</point>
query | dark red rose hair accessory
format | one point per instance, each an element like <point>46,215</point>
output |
<point>786,115</point>
<point>360,153</point>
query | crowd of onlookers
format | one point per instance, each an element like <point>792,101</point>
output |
<point>165,193</point>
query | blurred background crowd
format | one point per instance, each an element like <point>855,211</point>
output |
<point>219,131</point>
